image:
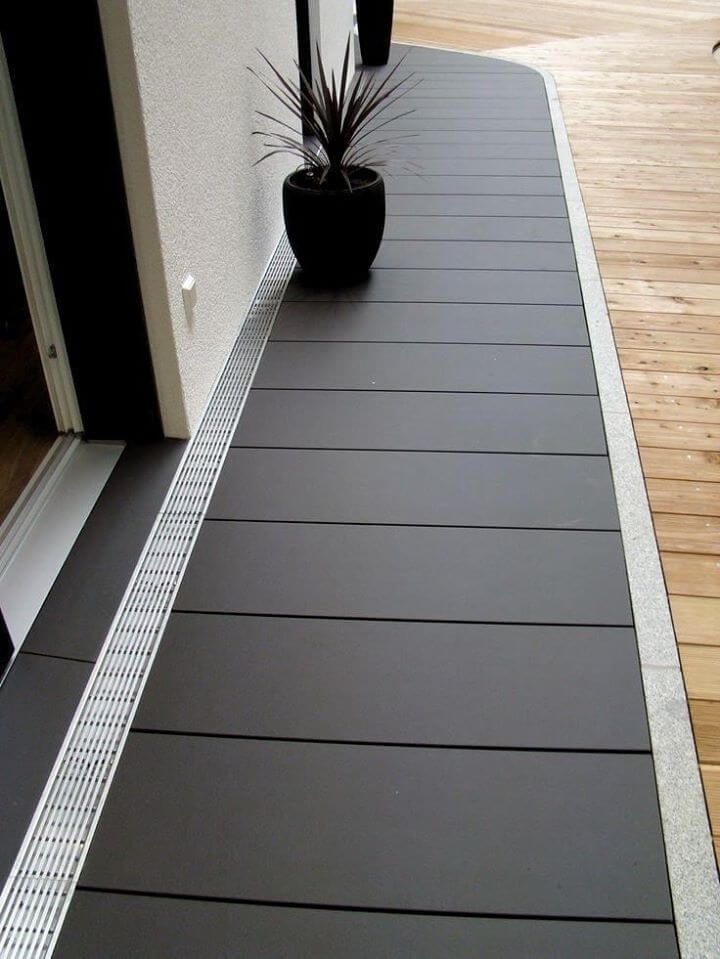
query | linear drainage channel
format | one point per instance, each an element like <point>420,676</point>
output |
<point>42,880</point>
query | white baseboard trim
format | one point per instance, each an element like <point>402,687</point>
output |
<point>40,530</point>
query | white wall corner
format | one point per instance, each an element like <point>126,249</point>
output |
<point>129,121</point>
<point>331,23</point>
<point>185,106</point>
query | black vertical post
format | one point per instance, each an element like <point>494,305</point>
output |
<point>6,644</point>
<point>304,52</point>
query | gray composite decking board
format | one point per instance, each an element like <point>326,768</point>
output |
<point>487,90</point>
<point>37,700</point>
<point>506,108</point>
<point>429,205</point>
<point>418,254</point>
<point>406,63</point>
<point>117,926</point>
<point>419,164</point>
<point>502,68</point>
<point>478,139</point>
<point>414,54</point>
<point>472,90</point>
<point>479,87</point>
<point>477,831</point>
<point>466,151</point>
<point>418,54</point>
<point>493,82</point>
<point>449,286</point>
<point>459,73</point>
<point>453,75</point>
<point>408,572</point>
<point>431,61</point>
<point>470,124</point>
<point>449,184</point>
<point>432,489</point>
<point>520,99</point>
<point>464,422</point>
<point>413,683</point>
<point>541,230</point>
<point>427,367</point>
<point>419,61</point>
<point>426,323</point>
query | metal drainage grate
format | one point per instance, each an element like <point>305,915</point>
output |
<point>38,891</point>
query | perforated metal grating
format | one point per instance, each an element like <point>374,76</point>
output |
<point>38,891</point>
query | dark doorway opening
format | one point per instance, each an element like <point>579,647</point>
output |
<point>57,66</point>
<point>304,34</point>
<point>27,424</point>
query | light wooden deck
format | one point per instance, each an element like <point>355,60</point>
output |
<point>640,92</point>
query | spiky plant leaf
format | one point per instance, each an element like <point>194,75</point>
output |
<point>341,114</point>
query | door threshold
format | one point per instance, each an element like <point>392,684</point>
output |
<point>42,526</point>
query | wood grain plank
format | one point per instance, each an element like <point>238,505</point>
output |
<point>617,199</point>
<point>672,384</point>
<point>693,291</point>
<point>711,782</point>
<point>669,362</point>
<point>688,497</point>
<point>616,240</point>
<point>677,435</point>
<point>697,619</point>
<point>688,534</point>
<point>672,341</point>
<point>701,465</point>
<point>692,574</point>
<point>687,409</point>
<point>637,320</point>
<point>701,666</point>
<point>705,716</point>
<point>655,303</point>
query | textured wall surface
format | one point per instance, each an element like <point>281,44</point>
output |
<point>332,23</point>
<point>184,104</point>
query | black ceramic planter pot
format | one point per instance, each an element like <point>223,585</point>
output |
<point>335,234</point>
<point>374,21</point>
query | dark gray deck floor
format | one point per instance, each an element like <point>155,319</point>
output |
<point>42,689</point>
<point>398,708</point>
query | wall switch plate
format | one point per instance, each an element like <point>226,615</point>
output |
<point>189,293</point>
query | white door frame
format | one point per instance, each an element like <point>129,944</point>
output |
<point>29,243</point>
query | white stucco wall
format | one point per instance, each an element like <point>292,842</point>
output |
<point>184,104</point>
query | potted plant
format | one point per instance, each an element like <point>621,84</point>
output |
<point>374,23</point>
<point>334,204</point>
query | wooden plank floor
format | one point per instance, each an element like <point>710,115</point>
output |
<point>639,88</point>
